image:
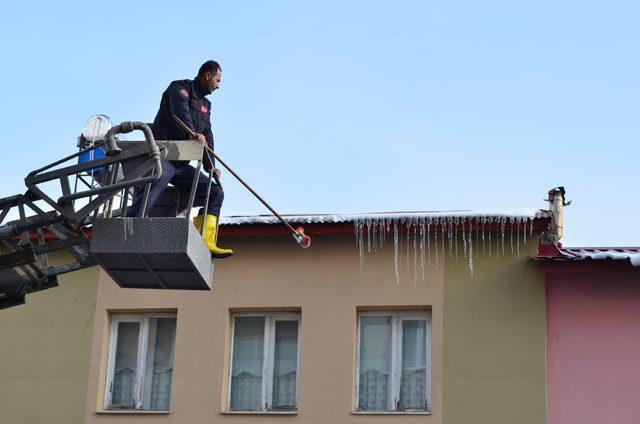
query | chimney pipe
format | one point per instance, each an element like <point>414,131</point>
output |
<point>556,204</point>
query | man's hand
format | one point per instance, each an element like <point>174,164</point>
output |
<point>216,172</point>
<point>200,138</point>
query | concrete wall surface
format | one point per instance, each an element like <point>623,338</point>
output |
<point>593,347</point>
<point>494,336</point>
<point>487,335</point>
<point>45,347</point>
<point>324,283</point>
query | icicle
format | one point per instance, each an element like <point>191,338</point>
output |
<point>477,235</point>
<point>483,221</point>
<point>490,231</point>
<point>442,231</point>
<point>450,235</point>
<point>435,242</point>
<point>531,229</point>
<point>395,249</point>
<point>408,225</point>
<point>456,221</point>
<point>511,233</point>
<point>429,243</point>
<point>374,240</point>
<point>374,234</point>
<point>415,255</point>
<point>387,229</point>
<point>368,225</point>
<point>362,246</point>
<point>357,235</point>
<point>400,223</point>
<point>470,249</point>
<point>360,224</point>
<point>502,224</point>
<point>518,238</point>
<point>422,250</point>
<point>464,240</point>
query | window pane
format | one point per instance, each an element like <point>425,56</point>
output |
<point>126,365</point>
<point>159,370</point>
<point>285,365</point>
<point>413,383</point>
<point>375,363</point>
<point>246,376</point>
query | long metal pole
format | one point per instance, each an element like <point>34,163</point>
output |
<point>264,202</point>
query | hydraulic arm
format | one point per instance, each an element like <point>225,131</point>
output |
<point>26,242</point>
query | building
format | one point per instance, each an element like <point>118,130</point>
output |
<point>406,317</point>
<point>593,317</point>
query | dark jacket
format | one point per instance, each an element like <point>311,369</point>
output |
<point>185,99</point>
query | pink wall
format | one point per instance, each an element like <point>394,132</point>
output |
<point>593,347</point>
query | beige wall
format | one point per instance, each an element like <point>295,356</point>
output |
<point>488,335</point>
<point>494,343</point>
<point>44,353</point>
<point>323,282</point>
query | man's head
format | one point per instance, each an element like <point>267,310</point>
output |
<point>209,75</point>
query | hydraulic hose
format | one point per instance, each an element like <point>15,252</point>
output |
<point>112,148</point>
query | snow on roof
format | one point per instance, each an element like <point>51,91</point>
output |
<point>632,254</point>
<point>475,215</point>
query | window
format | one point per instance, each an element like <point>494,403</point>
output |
<point>264,362</point>
<point>140,367</point>
<point>394,362</point>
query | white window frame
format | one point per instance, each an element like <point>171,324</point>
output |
<point>397,318</point>
<point>143,339</point>
<point>270,319</point>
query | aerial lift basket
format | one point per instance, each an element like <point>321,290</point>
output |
<point>164,253</point>
<point>161,250</point>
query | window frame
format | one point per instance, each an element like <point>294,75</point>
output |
<point>141,359</point>
<point>395,366</point>
<point>268,352</point>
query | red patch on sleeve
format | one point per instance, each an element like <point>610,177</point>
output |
<point>184,93</point>
<point>204,109</point>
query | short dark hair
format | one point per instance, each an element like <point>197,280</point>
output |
<point>211,66</point>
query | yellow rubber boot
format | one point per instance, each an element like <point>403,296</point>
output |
<point>209,235</point>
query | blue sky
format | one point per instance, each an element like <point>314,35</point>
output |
<point>354,106</point>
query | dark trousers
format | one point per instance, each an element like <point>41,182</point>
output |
<point>180,175</point>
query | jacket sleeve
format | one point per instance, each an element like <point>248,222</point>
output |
<point>178,98</point>
<point>208,134</point>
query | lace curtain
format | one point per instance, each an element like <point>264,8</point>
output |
<point>374,390</point>
<point>413,383</point>
<point>159,364</point>
<point>285,364</point>
<point>375,363</point>
<point>126,365</point>
<point>247,367</point>
<point>155,394</point>
<point>246,374</point>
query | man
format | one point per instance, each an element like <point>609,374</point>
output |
<point>187,100</point>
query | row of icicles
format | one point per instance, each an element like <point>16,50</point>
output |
<point>426,235</point>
